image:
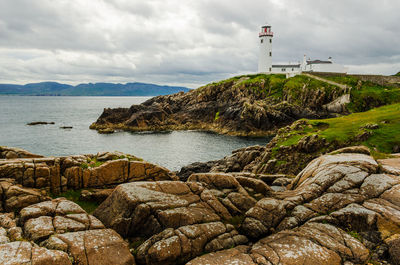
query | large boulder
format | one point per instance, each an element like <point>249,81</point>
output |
<point>147,208</point>
<point>233,190</point>
<point>312,243</point>
<point>65,233</point>
<point>176,246</point>
<point>177,220</point>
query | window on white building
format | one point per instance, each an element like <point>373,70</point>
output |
<point>270,54</point>
<point>262,40</point>
<point>283,69</point>
<point>270,40</point>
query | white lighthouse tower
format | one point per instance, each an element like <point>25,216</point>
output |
<point>265,59</point>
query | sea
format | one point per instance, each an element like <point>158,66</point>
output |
<point>172,149</point>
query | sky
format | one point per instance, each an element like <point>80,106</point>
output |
<point>188,43</point>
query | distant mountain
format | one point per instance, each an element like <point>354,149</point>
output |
<point>398,74</point>
<point>96,89</point>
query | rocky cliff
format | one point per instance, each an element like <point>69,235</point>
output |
<point>245,105</point>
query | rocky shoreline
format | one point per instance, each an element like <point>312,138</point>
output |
<point>342,208</point>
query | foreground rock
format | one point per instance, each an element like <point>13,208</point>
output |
<point>312,243</point>
<point>179,220</point>
<point>342,208</point>
<point>346,190</point>
<point>66,235</point>
<point>249,105</point>
<point>57,174</point>
<point>237,192</point>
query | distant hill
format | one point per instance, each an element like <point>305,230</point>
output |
<point>96,89</point>
<point>398,74</point>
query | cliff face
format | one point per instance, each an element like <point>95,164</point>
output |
<point>246,105</point>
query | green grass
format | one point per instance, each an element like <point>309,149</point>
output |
<point>366,95</point>
<point>371,95</point>
<point>74,195</point>
<point>274,88</point>
<point>216,116</point>
<point>135,245</point>
<point>345,129</point>
<point>355,235</point>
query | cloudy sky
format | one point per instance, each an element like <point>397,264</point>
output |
<point>189,42</point>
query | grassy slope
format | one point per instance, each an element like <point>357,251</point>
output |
<point>345,129</point>
<point>366,95</point>
<point>274,86</point>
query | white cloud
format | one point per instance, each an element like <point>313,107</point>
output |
<point>187,42</point>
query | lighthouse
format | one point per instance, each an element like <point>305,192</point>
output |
<point>265,59</point>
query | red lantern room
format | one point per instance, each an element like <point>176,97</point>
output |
<point>266,31</point>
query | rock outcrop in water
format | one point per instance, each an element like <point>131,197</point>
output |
<point>248,105</point>
<point>342,208</point>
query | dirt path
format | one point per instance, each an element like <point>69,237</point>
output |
<point>326,80</point>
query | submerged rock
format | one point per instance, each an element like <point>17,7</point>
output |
<point>40,123</point>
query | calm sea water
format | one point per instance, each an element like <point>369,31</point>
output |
<point>170,149</point>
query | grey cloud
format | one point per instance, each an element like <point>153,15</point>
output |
<point>190,42</point>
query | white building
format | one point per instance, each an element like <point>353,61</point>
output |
<point>265,60</point>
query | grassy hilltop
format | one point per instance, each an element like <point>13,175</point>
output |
<point>377,128</point>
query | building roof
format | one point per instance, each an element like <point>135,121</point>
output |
<point>318,62</point>
<point>286,66</point>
